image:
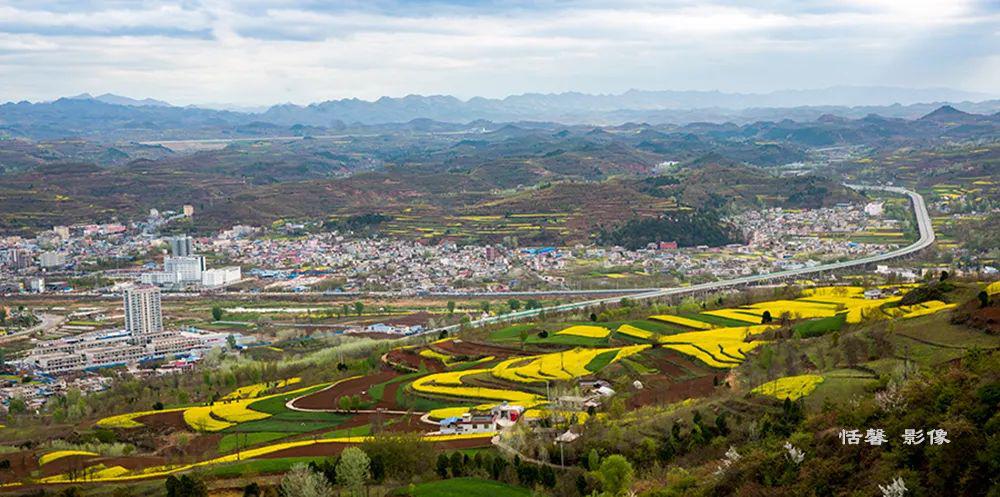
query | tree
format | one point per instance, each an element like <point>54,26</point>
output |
<point>523,334</point>
<point>451,307</point>
<point>3,315</point>
<point>944,275</point>
<point>485,306</point>
<point>231,341</point>
<point>548,476</point>
<point>616,474</point>
<point>251,490</point>
<point>984,299</point>
<point>442,465</point>
<point>593,460</point>
<point>216,313</point>
<point>344,403</point>
<point>359,307</point>
<point>766,318</point>
<point>185,486</point>
<point>514,304</point>
<point>301,481</point>
<point>353,469</point>
<point>457,468</point>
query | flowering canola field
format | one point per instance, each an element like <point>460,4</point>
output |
<point>635,332</point>
<point>720,348</point>
<point>586,331</point>
<point>790,387</point>
<point>564,365</point>
<point>59,454</point>
<point>683,321</point>
<point>217,417</point>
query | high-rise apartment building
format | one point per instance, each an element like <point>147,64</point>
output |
<point>181,246</point>
<point>143,316</point>
<point>189,268</point>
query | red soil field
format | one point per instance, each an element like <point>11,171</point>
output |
<point>330,449</point>
<point>327,398</point>
<point>475,349</point>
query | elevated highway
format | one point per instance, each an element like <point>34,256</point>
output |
<point>924,226</point>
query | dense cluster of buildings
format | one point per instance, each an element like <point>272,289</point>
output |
<point>776,240</point>
<point>143,338</point>
<point>183,268</point>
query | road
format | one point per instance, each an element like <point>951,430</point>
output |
<point>49,322</point>
<point>924,227</point>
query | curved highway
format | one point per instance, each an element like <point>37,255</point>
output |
<point>923,225</point>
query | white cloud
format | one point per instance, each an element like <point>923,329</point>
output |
<point>265,52</point>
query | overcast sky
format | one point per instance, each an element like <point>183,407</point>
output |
<point>256,52</point>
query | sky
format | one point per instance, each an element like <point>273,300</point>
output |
<point>261,52</point>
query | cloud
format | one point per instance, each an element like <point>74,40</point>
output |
<point>256,51</point>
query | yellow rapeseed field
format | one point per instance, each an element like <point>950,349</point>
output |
<point>720,347</point>
<point>162,471</point>
<point>59,454</point>
<point>433,354</point>
<point>200,418</point>
<point>790,387</point>
<point>128,420</point>
<point>683,321</point>
<point>563,365</point>
<point>586,331</point>
<point>255,390</point>
<point>450,384</point>
<point>632,331</point>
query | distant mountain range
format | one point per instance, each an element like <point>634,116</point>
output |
<point>113,117</point>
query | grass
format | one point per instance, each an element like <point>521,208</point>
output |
<point>465,487</point>
<point>511,333</point>
<point>230,440</point>
<point>716,320</point>
<point>276,405</point>
<point>601,360</point>
<point>818,327</point>
<point>260,466</point>
<point>291,422</point>
<point>356,431</point>
<point>838,389</point>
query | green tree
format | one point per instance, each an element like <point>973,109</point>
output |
<point>301,481</point>
<point>485,306</point>
<point>231,341</point>
<point>17,405</point>
<point>451,307</point>
<point>216,313</point>
<point>593,460</point>
<point>523,335</point>
<point>185,486</point>
<point>766,318</point>
<point>3,315</point>
<point>514,304</point>
<point>344,403</point>
<point>359,307</point>
<point>353,469</point>
<point>984,299</point>
<point>616,474</point>
<point>442,465</point>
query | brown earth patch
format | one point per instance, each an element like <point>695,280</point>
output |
<point>661,389</point>
<point>172,420</point>
<point>331,449</point>
<point>327,398</point>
